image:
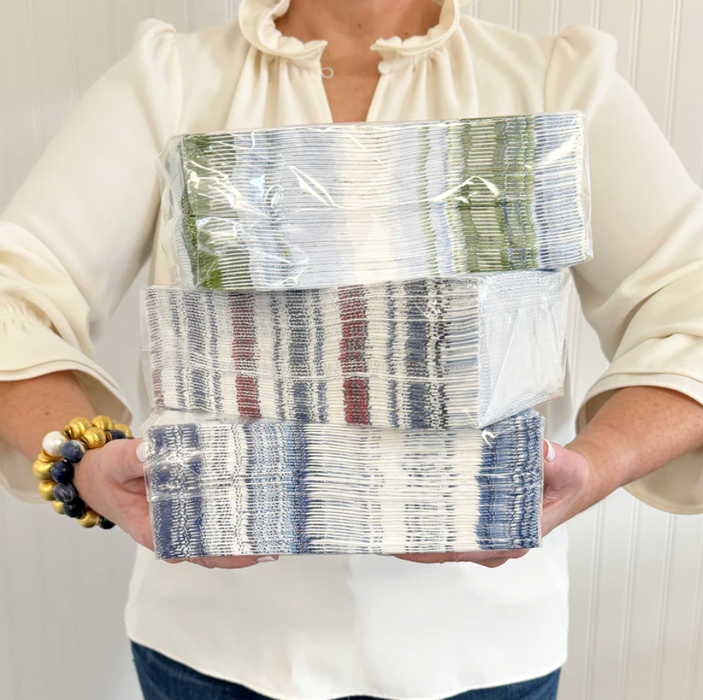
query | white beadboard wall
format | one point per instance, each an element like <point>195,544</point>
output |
<point>637,574</point>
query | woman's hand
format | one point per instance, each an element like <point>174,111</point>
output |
<point>111,481</point>
<point>567,489</point>
<point>568,486</point>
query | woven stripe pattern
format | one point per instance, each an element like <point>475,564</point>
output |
<point>221,487</point>
<point>316,207</point>
<point>431,354</point>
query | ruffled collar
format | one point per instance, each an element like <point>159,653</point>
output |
<point>257,19</point>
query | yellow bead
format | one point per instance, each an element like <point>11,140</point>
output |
<point>125,429</point>
<point>45,457</point>
<point>90,519</point>
<point>77,427</point>
<point>103,423</point>
<point>93,437</point>
<point>58,507</point>
<point>46,490</point>
<point>41,470</point>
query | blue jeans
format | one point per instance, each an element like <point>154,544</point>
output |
<point>164,679</point>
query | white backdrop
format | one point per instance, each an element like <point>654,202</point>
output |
<point>637,574</point>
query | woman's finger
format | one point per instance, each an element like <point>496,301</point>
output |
<point>231,562</point>
<point>143,536</point>
<point>486,558</point>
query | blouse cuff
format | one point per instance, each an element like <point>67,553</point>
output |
<point>678,486</point>
<point>28,349</point>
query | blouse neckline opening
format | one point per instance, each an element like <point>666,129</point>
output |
<point>257,19</point>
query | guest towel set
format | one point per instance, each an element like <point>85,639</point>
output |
<point>361,319</point>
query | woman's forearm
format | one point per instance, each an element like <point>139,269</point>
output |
<point>31,408</point>
<point>638,430</point>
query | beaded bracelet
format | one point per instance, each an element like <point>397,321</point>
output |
<point>61,450</point>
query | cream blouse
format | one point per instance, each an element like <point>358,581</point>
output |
<point>77,232</point>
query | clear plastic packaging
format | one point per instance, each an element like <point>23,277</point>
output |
<point>218,486</point>
<point>432,354</point>
<point>313,207</point>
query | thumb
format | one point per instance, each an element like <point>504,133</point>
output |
<point>562,468</point>
<point>121,461</point>
<point>564,478</point>
<point>549,450</point>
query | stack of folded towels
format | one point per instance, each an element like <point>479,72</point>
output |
<point>361,319</point>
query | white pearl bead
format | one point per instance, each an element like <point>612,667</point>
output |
<point>53,442</point>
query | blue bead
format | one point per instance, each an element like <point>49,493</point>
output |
<point>74,509</point>
<point>65,493</point>
<point>62,472</point>
<point>73,451</point>
<point>117,434</point>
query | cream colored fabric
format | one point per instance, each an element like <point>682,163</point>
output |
<point>75,235</point>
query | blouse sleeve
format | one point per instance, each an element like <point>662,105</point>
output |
<point>642,292</point>
<point>75,235</point>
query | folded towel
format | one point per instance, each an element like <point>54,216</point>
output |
<point>220,486</point>
<point>433,354</point>
<point>344,204</point>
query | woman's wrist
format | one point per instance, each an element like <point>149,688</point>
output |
<point>601,482</point>
<point>638,430</point>
<point>62,451</point>
<point>608,455</point>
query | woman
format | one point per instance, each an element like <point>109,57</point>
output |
<point>306,628</point>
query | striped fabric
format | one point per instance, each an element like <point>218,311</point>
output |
<point>432,354</point>
<point>221,487</point>
<point>315,207</point>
